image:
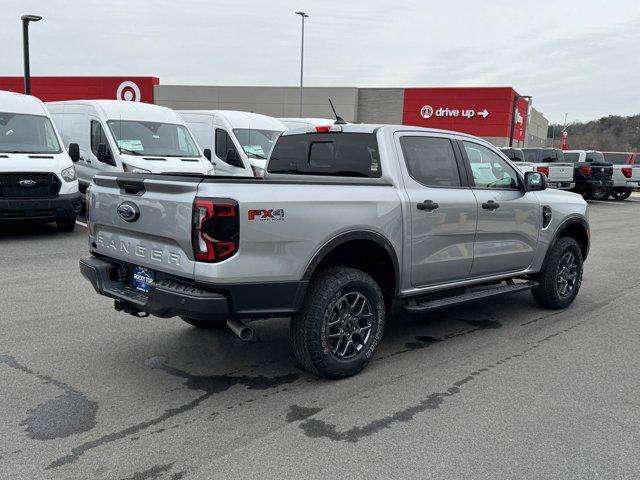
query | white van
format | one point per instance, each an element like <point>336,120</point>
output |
<point>37,176</point>
<point>117,136</point>
<point>292,123</point>
<point>240,141</point>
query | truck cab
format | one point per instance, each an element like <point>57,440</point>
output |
<point>239,142</point>
<point>117,136</point>
<point>37,175</point>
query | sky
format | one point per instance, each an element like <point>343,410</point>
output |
<point>575,57</point>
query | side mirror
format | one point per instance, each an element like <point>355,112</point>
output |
<point>74,152</point>
<point>207,153</point>
<point>534,181</point>
<point>104,155</point>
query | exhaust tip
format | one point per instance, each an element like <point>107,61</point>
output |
<point>242,331</point>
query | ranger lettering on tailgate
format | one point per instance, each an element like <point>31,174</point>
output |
<point>141,251</point>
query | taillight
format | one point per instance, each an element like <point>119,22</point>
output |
<point>216,229</point>
<point>544,170</point>
<point>586,171</point>
<point>626,172</point>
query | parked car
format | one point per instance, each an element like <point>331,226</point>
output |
<point>593,176</point>
<point>551,162</point>
<point>37,175</point>
<point>293,123</point>
<point>626,173</point>
<point>118,136</point>
<point>348,218</point>
<point>240,141</point>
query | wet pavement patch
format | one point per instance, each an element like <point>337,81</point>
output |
<point>68,414</point>
<point>297,413</point>
<point>209,384</point>
<point>316,428</point>
<point>156,472</point>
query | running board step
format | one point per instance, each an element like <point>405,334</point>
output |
<point>471,296</point>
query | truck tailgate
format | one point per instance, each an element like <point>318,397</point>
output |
<point>159,235</point>
<point>635,173</point>
<point>560,172</point>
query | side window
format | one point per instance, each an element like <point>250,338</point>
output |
<point>97,136</point>
<point>223,145</point>
<point>431,161</point>
<point>489,169</point>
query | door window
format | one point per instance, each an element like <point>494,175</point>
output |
<point>431,161</point>
<point>223,145</point>
<point>489,169</point>
<point>97,136</point>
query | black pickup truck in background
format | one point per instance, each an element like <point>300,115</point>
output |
<point>593,176</point>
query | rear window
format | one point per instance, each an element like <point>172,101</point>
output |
<point>616,158</point>
<point>594,157</point>
<point>336,153</point>
<point>571,157</point>
<point>530,155</point>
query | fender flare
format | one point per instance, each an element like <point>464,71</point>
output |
<point>348,237</point>
<point>574,219</point>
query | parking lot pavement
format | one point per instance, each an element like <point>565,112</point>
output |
<point>499,389</point>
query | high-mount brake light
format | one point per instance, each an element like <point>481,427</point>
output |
<point>328,128</point>
<point>586,171</point>
<point>626,172</point>
<point>544,170</point>
<point>216,229</point>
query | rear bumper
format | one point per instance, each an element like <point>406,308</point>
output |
<point>166,299</point>
<point>585,185</point>
<point>561,185</point>
<point>44,209</point>
<point>171,297</point>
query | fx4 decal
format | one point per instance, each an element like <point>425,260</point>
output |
<point>266,215</point>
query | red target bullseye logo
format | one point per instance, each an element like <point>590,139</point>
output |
<point>426,111</point>
<point>128,91</point>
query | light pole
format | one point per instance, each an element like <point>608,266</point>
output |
<point>513,116</point>
<point>25,47</point>
<point>302,16</point>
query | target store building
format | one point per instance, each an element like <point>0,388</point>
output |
<point>486,112</point>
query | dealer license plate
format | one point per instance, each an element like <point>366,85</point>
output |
<point>142,278</point>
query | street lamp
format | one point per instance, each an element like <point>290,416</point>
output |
<point>25,47</point>
<point>513,115</point>
<point>302,16</point>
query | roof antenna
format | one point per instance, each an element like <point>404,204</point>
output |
<point>339,119</point>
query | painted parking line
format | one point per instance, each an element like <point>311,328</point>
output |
<point>81,223</point>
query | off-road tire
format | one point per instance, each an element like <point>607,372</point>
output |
<point>66,224</point>
<point>309,327</point>
<point>546,294</point>
<point>205,324</point>
<point>599,193</point>
<point>620,194</point>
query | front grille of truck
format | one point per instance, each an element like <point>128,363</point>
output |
<point>46,185</point>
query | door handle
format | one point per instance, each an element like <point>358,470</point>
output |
<point>428,205</point>
<point>490,205</point>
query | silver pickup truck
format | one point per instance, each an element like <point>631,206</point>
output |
<point>348,219</point>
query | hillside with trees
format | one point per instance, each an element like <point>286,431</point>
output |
<point>612,133</point>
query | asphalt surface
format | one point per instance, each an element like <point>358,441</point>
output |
<point>493,390</point>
